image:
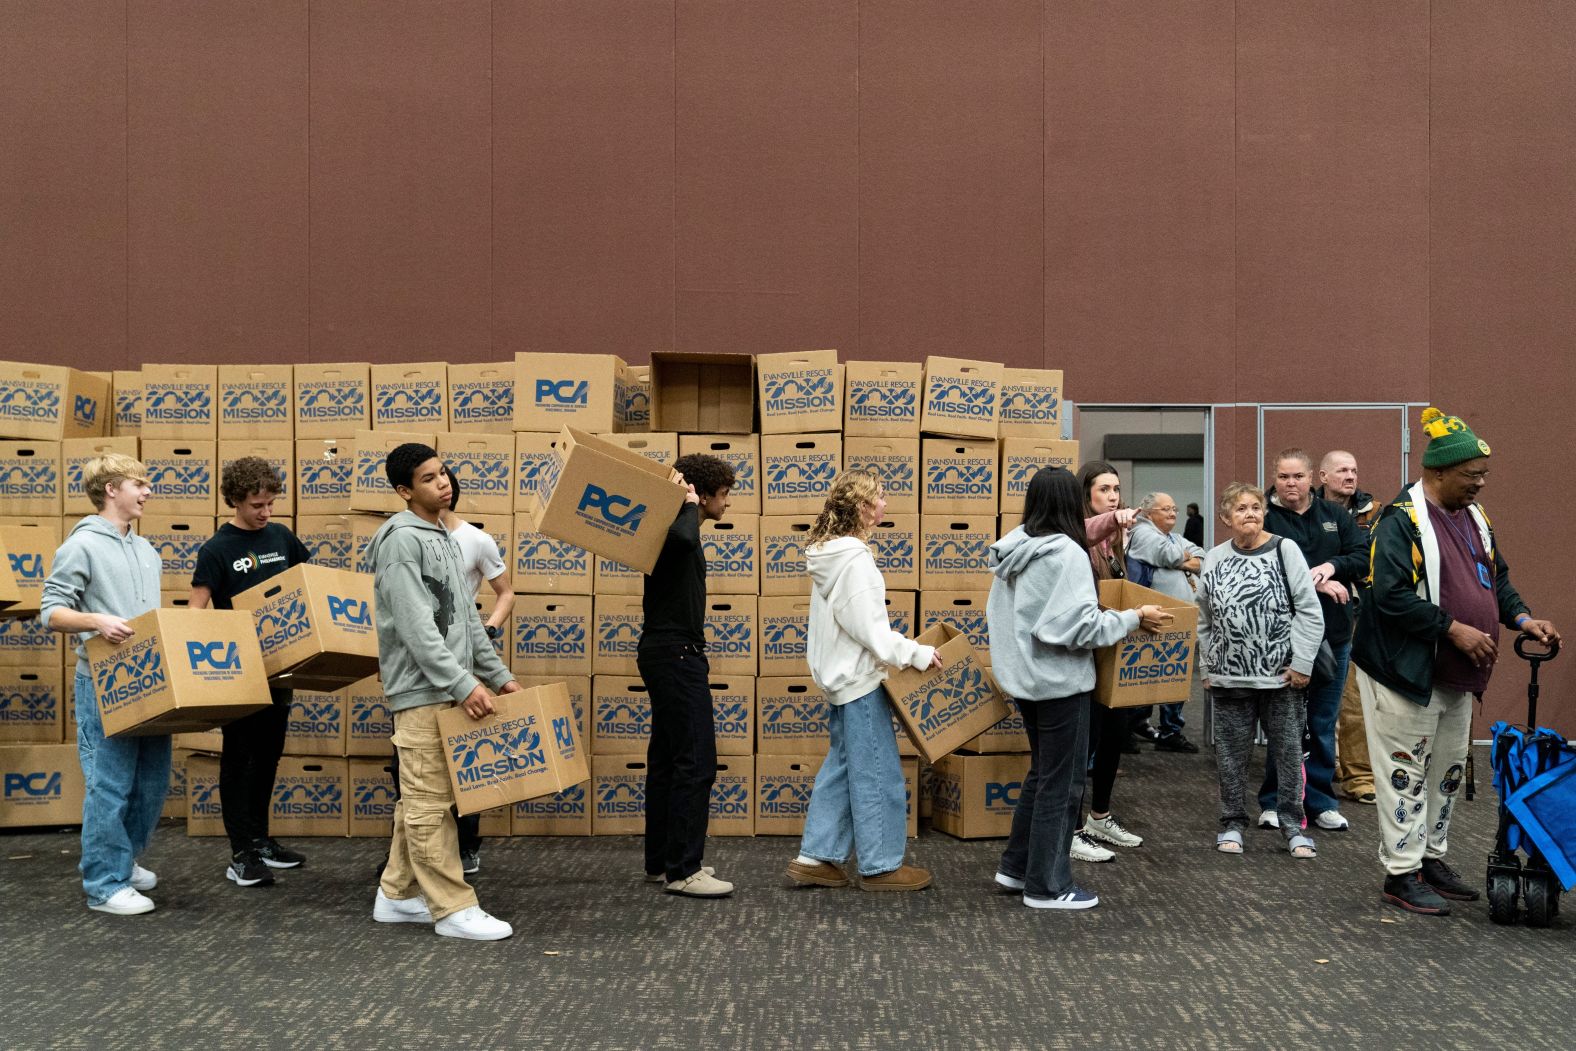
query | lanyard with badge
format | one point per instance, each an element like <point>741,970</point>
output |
<point>1484,577</point>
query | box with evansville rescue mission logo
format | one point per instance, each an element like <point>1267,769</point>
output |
<point>619,620</point>
<point>369,725</point>
<point>532,453</point>
<point>369,481</point>
<point>955,552</point>
<point>1031,402</point>
<point>960,476</point>
<point>893,460</point>
<point>280,455</point>
<point>322,475</point>
<point>566,813</point>
<point>742,452</point>
<point>370,783</point>
<point>410,395</point>
<point>962,398</point>
<point>40,784</point>
<point>783,568</point>
<point>733,713</point>
<point>526,749</point>
<point>30,478</point>
<point>942,708</point>
<point>792,716</point>
<point>540,565</point>
<point>732,810</point>
<point>481,398</point>
<point>176,540</point>
<point>182,670</point>
<point>634,399</point>
<point>126,394</point>
<point>484,466</point>
<point>964,610</point>
<point>553,391</point>
<point>732,548</point>
<point>309,797</point>
<point>579,687</point>
<point>784,635</point>
<point>32,705</point>
<point>552,635</point>
<point>800,392</point>
<point>328,539</point>
<point>620,715</point>
<point>902,609</point>
<point>74,455</point>
<point>881,399</point>
<point>256,402</point>
<point>798,472</point>
<point>175,799</point>
<point>332,400</point>
<point>894,542</point>
<point>782,792</point>
<point>180,401</point>
<point>731,634</point>
<point>184,476</point>
<point>315,724</point>
<point>1022,458</point>
<point>975,795</point>
<point>50,403</point>
<point>26,642</point>
<point>1145,668</point>
<point>618,795</point>
<point>204,808</point>
<point>315,626</point>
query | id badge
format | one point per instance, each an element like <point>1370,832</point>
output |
<point>1483,576</point>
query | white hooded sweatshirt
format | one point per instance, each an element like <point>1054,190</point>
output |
<point>851,642</point>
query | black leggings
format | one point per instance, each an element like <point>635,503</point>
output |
<point>1109,730</point>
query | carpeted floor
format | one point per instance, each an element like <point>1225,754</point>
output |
<point>1189,948</point>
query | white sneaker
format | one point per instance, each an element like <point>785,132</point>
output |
<point>1086,849</point>
<point>1332,821</point>
<point>474,925</point>
<point>143,879</point>
<point>400,910</point>
<point>127,901</point>
<point>1269,819</point>
<point>1111,830</point>
<point>1004,880</point>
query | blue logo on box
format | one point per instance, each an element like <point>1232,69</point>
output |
<point>1030,405</point>
<point>32,786</point>
<point>946,702</point>
<point>619,512</point>
<point>963,399</point>
<point>351,614</point>
<point>37,704</point>
<point>84,410</point>
<point>27,565</point>
<point>562,394</point>
<point>129,677</point>
<point>213,659</point>
<point>787,789</point>
<point>1157,660</point>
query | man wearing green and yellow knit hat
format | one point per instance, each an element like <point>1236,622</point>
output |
<point>1426,642</point>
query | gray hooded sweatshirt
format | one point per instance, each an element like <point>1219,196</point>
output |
<point>99,569</point>
<point>432,647</point>
<point>1045,617</point>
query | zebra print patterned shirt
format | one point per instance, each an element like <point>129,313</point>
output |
<point>1249,628</point>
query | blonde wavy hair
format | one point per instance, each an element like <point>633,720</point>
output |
<point>851,492</point>
<point>101,472</point>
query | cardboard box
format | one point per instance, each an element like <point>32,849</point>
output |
<point>552,635</point>
<point>962,398</point>
<point>742,452</point>
<point>615,578</point>
<point>895,544</point>
<point>783,569</point>
<point>40,784</point>
<point>126,396</point>
<point>976,795</point>
<point>182,670</point>
<point>732,810</point>
<point>25,642</point>
<point>484,465</point>
<point>634,399</point>
<point>29,546</point>
<point>782,792</point>
<point>618,795</point>
<point>784,635</point>
<point>175,799</point>
<point>370,783</point>
<point>566,813</point>
<point>1007,736</point>
<point>733,713</point>
<point>619,622</point>
<point>702,393</point>
<point>315,626</point>
<point>180,402</point>
<point>732,548</point>
<point>526,749</point>
<point>184,475</point>
<point>902,612</point>
<point>955,552</point>
<point>169,599</point>
<point>316,723</point>
<point>533,453</point>
<point>554,391</point>
<point>49,403</point>
<point>1146,668</point>
<point>800,392</point>
<point>309,797</point>
<point>410,396</point>
<point>206,741</point>
<point>204,808</point>
<point>328,538</point>
<point>30,478</point>
<point>1022,458</point>
<point>369,725</point>
<point>1008,523</point>
<point>881,399</point>
<point>256,402</point>
<point>322,475</point>
<point>280,455</point>
<point>540,565</point>
<point>661,446</point>
<point>911,794</point>
<point>579,687</point>
<point>363,527</point>
<point>32,705</point>
<point>620,715</point>
<point>798,470</point>
<point>10,592</point>
<point>74,455</point>
<point>369,481</point>
<point>792,716</point>
<point>893,460</point>
<point>942,708</point>
<point>332,400</point>
<point>608,500</point>
<point>964,610</point>
<point>960,476</point>
<point>1031,402</point>
<point>732,634</point>
<point>177,540</point>
<point>481,398</point>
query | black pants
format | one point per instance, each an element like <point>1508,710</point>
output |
<point>247,767</point>
<point>681,760</point>
<point>1109,729</point>
<point>1052,795</point>
<point>469,826</point>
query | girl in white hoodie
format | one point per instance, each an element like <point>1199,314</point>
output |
<point>857,804</point>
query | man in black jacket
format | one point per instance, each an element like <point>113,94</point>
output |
<point>1427,640</point>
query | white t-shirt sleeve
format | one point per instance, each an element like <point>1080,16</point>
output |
<point>480,551</point>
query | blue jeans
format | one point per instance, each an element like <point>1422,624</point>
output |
<point>1171,719</point>
<point>125,782</point>
<point>858,802</point>
<point>1324,707</point>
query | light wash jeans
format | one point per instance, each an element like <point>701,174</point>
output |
<point>126,780</point>
<point>858,803</point>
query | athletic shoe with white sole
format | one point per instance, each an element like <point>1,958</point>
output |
<point>1269,819</point>
<point>143,879</point>
<point>1110,830</point>
<point>474,925</point>
<point>470,862</point>
<point>400,910</point>
<point>1086,849</point>
<point>1332,821</point>
<point>1007,882</point>
<point>278,856</point>
<point>247,870</point>
<point>1075,898</point>
<point>127,901</point>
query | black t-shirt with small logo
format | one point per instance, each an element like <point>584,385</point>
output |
<point>234,559</point>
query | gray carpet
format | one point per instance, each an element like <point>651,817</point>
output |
<point>1189,948</point>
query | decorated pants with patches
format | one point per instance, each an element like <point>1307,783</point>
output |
<point>1419,762</point>
<point>424,855</point>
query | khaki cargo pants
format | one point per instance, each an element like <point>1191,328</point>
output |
<point>424,855</point>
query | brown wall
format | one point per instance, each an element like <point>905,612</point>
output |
<point>1327,201</point>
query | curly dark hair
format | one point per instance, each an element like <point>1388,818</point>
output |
<point>248,475</point>
<point>400,467</point>
<point>707,474</point>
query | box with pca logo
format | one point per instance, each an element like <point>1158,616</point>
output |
<point>40,784</point>
<point>633,393</point>
<point>731,634</point>
<point>1145,668</point>
<point>32,705</point>
<point>620,715</point>
<point>881,399</point>
<point>315,626</point>
<point>784,635</point>
<point>411,396</point>
<point>316,723</point>
<point>552,635</point>
<point>256,402</point>
<point>126,397</point>
<point>565,813</point>
<point>483,464</point>
<point>797,472</point>
<point>783,568</point>
<point>27,546</point>
<point>579,687</point>
<point>782,792</point>
<point>975,795</point>
<point>481,398</point>
<point>280,455</point>
<point>369,482</point>
<point>176,539</point>
<point>370,784</point>
<point>528,748</point>
<point>893,460</point>
<point>612,577</point>
<point>540,565</point>
<point>180,402</point>
<point>960,476</point>
<point>732,810</point>
<point>1031,402</point>
<point>50,403</point>
<point>30,478</point>
<point>618,795</point>
<point>955,552</point>
<point>181,670</point>
<point>329,539</point>
<point>742,452</point>
<point>204,808</point>
<point>1022,458</point>
<point>733,713</point>
<point>942,708</point>
<point>184,476</point>
<point>800,392</point>
<point>322,475</point>
<point>608,500</point>
<point>554,391</point>
<point>310,797</point>
<point>74,455</point>
<point>894,542</point>
<point>332,400</point>
<point>369,724</point>
<point>791,716</point>
<point>732,548</point>
<point>619,621</point>
<point>702,393</point>
<point>964,610</point>
<point>962,398</point>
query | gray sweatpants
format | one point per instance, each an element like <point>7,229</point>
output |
<point>1282,713</point>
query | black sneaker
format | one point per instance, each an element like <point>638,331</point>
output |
<point>1132,745</point>
<point>1412,894</point>
<point>277,856</point>
<point>1147,731</point>
<point>247,870</point>
<point>1446,881</point>
<point>1176,743</point>
<point>470,862</point>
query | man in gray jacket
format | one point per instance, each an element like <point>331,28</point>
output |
<point>433,653</point>
<point>1160,560</point>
